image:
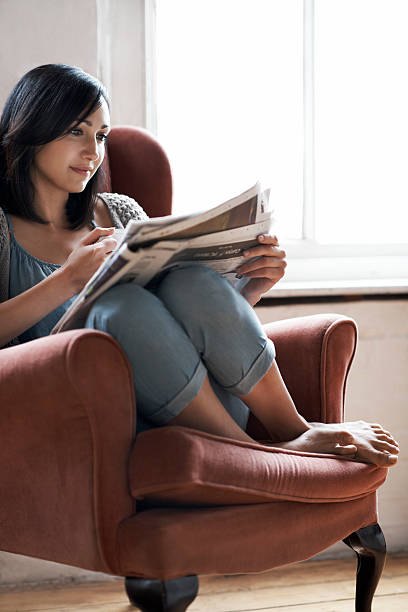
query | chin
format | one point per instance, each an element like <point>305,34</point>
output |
<point>78,188</point>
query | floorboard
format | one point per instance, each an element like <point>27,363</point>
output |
<point>314,586</point>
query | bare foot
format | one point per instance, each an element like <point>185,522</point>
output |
<point>374,443</point>
<point>320,440</point>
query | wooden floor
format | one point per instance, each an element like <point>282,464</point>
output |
<point>315,586</point>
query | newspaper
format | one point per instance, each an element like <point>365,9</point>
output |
<point>215,238</point>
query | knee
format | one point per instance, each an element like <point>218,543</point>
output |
<point>113,309</point>
<point>194,284</point>
<point>197,295</point>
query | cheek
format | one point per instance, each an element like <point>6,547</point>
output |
<point>54,153</point>
<point>47,162</point>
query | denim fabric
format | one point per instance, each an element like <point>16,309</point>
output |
<point>190,324</point>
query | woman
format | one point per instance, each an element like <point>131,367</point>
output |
<point>198,353</point>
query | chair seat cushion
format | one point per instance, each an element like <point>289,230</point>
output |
<point>182,466</point>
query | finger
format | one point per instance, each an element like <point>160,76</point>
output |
<point>264,250</point>
<point>107,244</point>
<point>262,262</point>
<point>96,233</point>
<point>271,273</point>
<point>268,239</point>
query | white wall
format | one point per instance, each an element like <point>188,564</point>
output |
<point>103,37</point>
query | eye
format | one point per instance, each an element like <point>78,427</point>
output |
<point>79,132</point>
<point>103,137</point>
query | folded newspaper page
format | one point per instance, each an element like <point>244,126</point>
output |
<point>215,238</point>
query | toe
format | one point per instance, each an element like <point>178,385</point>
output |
<point>394,446</point>
<point>385,446</point>
<point>378,428</point>
<point>384,459</point>
<point>384,432</point>
<point>387,438</point>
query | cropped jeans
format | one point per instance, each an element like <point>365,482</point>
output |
<point>190,324</point>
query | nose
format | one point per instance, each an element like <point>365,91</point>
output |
<point>91,150</point>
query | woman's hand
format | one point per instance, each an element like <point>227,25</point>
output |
<point>92,250</point>
<point>264,272</point>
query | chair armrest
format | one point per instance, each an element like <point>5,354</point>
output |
<point>314,354</point>
<point>67,424</point>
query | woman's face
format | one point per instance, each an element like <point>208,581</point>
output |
<point>67,163</point>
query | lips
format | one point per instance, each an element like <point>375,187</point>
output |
<point>82,171</point>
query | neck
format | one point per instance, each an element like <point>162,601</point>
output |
<point>49,201</point>
<point>51,208</point>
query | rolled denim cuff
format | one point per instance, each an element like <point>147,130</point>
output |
<point>257,370</point>
<point>182,399</point>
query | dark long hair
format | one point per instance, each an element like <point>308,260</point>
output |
<point>45,102</point>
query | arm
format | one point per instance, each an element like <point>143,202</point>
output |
<point>24,310</point>
<point>21,312</point>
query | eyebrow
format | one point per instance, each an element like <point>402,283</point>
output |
<point>90,123</point>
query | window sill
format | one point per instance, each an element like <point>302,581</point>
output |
<point>350,288</point>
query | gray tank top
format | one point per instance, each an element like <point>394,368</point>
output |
<point>25,272</point>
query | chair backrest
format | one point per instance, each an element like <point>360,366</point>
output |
<point>136,165</point>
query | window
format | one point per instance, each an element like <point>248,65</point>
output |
<point>311,97</point>
<point>361,121</point>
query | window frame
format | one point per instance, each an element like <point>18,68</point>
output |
<point>310,263</point>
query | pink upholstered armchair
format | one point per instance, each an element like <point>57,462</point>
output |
<point>80,488</point>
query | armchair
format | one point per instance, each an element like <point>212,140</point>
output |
<point>79,488</point>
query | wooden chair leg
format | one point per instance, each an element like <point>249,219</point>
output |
<point>369,545</point>
<point>162,595</point>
